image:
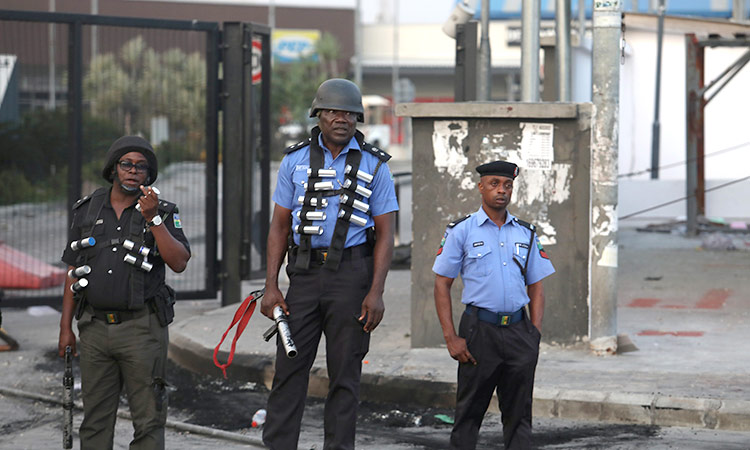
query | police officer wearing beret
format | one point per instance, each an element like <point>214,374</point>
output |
<point>336,199</point>
<point>502,265</point>
<point>119,242</point>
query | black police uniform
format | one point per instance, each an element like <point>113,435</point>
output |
<point>123,335</point>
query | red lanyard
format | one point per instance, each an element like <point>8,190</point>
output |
<point>242,316</point>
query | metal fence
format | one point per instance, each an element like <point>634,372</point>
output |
<point>69,86</point>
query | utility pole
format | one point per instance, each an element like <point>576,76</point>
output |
<point>94,30</point>
<point>272,14</point>
<point>739,13</point>
<point>358,44</point>
<point>562,49</point>
<point>656,127</point>
<point>604,149</point>
<point>52,83</point>
<point>395,131</point>
<point>485,58</point>
<point>530,14</point>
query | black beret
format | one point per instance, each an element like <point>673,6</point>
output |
<point>500,168</point>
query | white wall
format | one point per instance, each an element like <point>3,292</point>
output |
<point>726,125</point>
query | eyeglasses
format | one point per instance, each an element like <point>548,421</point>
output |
<point>348,115</point>
<point>127,165</point>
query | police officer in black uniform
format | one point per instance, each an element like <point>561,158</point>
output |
<point>119,242</point>
<point>335,198</point>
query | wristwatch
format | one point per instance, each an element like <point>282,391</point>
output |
<point>156,221</point>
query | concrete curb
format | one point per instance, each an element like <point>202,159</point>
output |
<point>614,407</point>
<point>645,409</point>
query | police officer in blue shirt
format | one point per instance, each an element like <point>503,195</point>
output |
<point>335,197</point>
<point>502,265</point>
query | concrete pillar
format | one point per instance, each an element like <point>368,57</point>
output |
<point>604,151</point>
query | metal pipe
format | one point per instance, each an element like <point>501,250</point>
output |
<point>52,85</point>
<point>94,29</point>
<point>734,69</point>
<point>604,153</point>
<point>581,21</point>
<point>694,82</point>
<point>75,111</point>
<point>656,128</point>
<point>485,58</point>
<point>358,44</point>
<point>394,76</point>
<point>562,49</point>
<point>179,426</point>
<point>530,50</point>
<point>739,13</point>
<point>272,14</point>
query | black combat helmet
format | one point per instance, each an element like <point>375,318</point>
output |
<point>127,144</point>
<point>339,94</point>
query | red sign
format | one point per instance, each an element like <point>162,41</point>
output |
<point>255,61</point>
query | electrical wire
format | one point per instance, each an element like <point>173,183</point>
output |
<point>683,198</point>
<point>682,163</point>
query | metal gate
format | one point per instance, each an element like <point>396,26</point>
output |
<point>69,86</point>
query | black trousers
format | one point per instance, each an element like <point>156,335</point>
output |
<point>506,361</point>
<point>322,301</point>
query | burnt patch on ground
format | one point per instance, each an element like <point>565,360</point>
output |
<point>599,436</point>
<point>212,401</point>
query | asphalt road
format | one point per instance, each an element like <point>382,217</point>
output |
<point>229,405</point>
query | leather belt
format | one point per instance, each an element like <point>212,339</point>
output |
<point>319,255</point>
<point>497,319</point>
<point>115,317</point>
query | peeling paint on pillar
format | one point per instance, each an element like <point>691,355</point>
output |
<point>448,146</point>
<point>450,140</point>
<point>606,54</point>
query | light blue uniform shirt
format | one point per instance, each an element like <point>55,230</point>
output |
<point>293,176</point>
<point>489,260</point>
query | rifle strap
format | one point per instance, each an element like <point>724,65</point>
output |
<point>241,318</point>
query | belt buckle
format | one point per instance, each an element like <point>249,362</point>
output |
<point>504,321</point>
<point>113,318</point>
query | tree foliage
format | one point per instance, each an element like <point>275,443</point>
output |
<point>34,155</point>
<point>294,84</point>
<point>137,84</point>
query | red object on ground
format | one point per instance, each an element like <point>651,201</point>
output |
<point>19,270</point>
<point>671,333</point>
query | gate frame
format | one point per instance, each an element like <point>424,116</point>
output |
<point>240,154</point>
<point>75,23</point>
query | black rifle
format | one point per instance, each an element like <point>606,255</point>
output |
<point>68,399</point>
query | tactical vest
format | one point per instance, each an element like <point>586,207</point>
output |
<point>352,197</point>
<point>137,234</point>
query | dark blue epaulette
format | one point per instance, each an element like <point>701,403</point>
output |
<point>85,199</point>
<point>378,153</point>
<point>167,207</point>
<point>81,201</point>
<point>523,223</point>
<point>456,222</point>
<point>297,146</point>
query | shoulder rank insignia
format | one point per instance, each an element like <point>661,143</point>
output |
<point>525,224</point>
<point>81,201</point>
<point>456,222</point>
<point>378,153</point>
<point>297,146</point>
